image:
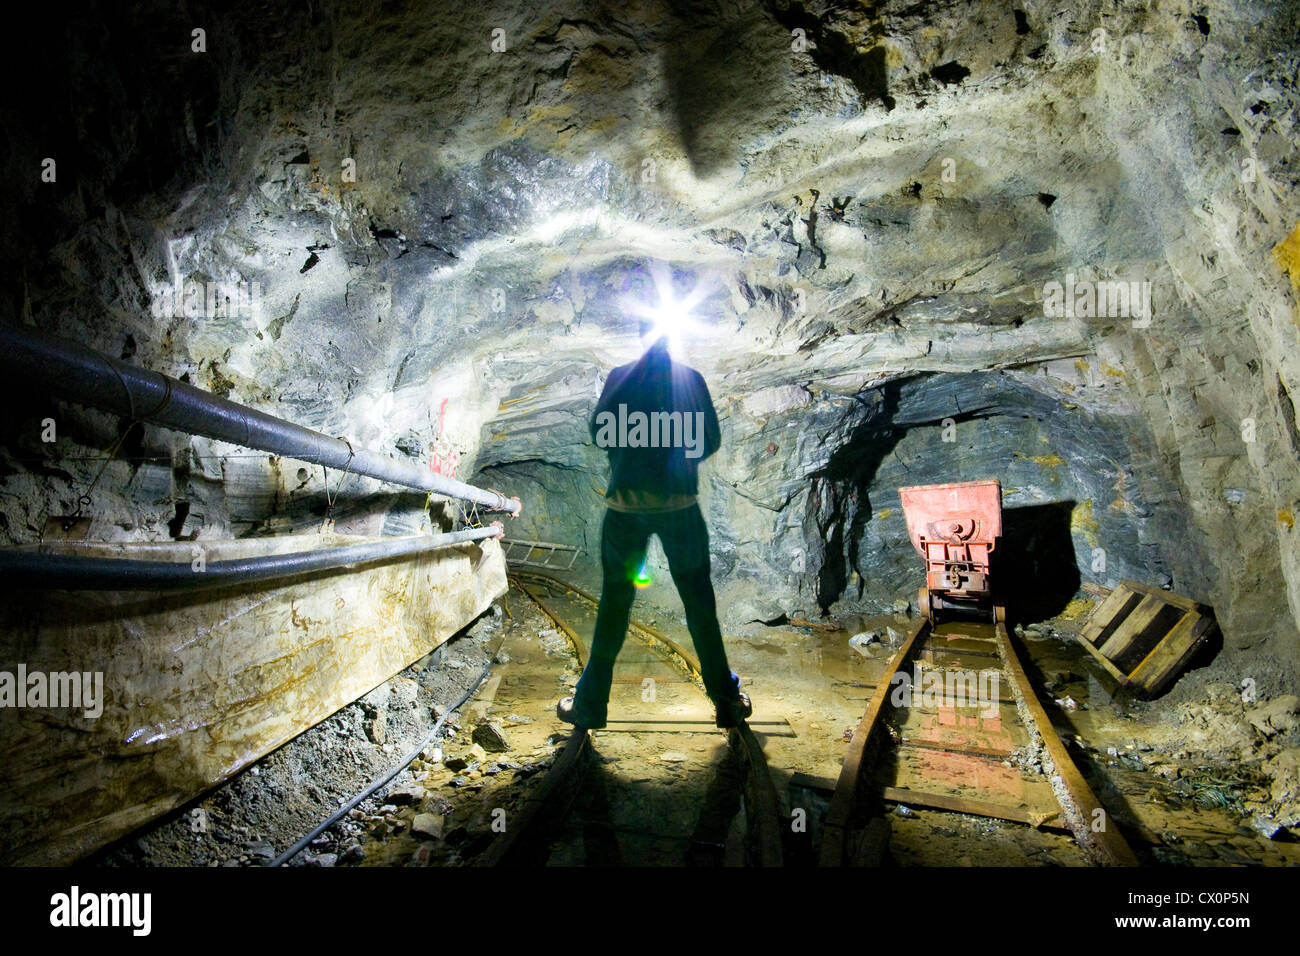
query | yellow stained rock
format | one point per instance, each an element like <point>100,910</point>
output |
<point>1076,609</point>
<point>1287,254</point>
<point>1082,521</point>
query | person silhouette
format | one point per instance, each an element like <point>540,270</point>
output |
<point>656,421</point>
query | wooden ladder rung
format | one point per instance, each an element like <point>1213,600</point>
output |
<point>1133,626</point>
<point>1105,614</point>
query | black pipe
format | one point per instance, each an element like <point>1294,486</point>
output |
<point>21,568</point>
<point>90,378</point>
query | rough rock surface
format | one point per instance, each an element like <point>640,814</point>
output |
<point>875,195</point>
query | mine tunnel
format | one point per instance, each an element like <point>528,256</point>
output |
<point>325,332</point>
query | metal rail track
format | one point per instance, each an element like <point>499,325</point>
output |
<point>547,800</point>
<point>848,836</point>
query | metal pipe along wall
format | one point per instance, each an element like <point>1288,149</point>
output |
<point>23,569</point>
<point>87,377</point>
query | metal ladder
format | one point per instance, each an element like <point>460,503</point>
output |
<point>529,549</point>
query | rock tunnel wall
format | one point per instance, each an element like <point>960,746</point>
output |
<point>815,519</point>
<point>877,215</point>
<point>1073,477</point>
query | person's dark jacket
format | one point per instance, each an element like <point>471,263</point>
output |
<point>655,383</point>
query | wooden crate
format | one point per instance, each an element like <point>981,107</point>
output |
<point>1144,636</point>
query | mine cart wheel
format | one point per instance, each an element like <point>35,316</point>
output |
<point>923,604</point>
<point>999,614</point>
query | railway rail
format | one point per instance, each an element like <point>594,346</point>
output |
<point>923,741</point>
<point>953,725</point>
<point>917,744</point>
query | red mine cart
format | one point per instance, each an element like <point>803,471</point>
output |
<point>955,528</point>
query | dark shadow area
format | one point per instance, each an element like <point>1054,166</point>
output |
<point>122,106</point>
<point>708,103</point>
<point>839,504</point>
<point>592,817</point>
<point>1203,657</point>
<point>1035,572</point>
<point>836,52</point>
<point>599,834</point>
<point>800,846</point>
<point>563,811</point>
<point>722,801</point>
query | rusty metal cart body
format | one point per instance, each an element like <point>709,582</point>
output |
<point>955,529</point>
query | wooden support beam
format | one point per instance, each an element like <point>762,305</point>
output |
<point>1043,819</point>
<point>199,685</point>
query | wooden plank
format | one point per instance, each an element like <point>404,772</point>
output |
<point>1133,626</point>
<point>1097,589</point>
<point>640,679</point>
<point>1169,597</point>
<point>957,775</point>
<point>1081,806</point>
<point>768,728</point>
<point>1115,672</point>
<point>837,819</point>
<point>982,752</point>
<point>1169,649</point>
<point>1045,819</point>
<point>1000,699</point>
<point>1127,642</point>
<point>1171,654</point>
<point>1052,820</point>
<point>199,685</point>
<point>930,652</point>
<point>1104,614</point>
<point>923,703</point>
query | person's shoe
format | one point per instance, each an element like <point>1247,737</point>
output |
<point>566,712</point>
<point>733,712</point>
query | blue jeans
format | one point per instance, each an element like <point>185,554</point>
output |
<point>623,540</point>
